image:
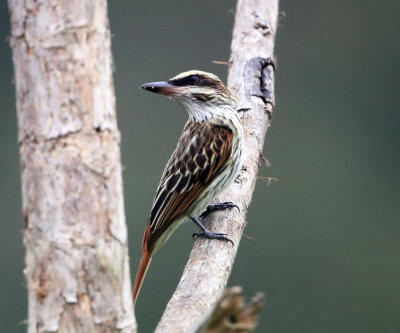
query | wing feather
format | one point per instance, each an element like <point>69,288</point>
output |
<point>200,156</point>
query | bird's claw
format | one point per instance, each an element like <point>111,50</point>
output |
<point>212,235</point>
<point>228,205</point>
<point>219,206</point>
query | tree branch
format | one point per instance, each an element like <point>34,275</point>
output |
<point>77,268</point>
<point>251,79</point>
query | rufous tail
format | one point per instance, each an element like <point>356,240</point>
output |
<point>143,266</point>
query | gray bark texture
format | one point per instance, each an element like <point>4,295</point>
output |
<point>77,270</point>
<point>251,79</point>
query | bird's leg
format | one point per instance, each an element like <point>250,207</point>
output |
<point>218,206</point>
<point>207,233</point>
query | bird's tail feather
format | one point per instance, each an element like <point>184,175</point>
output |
<point>143,266</point>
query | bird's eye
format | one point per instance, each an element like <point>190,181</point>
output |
<point>193,79</point>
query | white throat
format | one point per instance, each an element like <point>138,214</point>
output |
<point>201,112</point>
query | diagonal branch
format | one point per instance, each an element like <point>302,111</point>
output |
<point>251,79</point>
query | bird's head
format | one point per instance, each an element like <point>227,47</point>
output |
<point>195,90</point>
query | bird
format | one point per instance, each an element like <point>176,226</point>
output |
<point>207,158</point>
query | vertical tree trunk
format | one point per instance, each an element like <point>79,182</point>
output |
<point>77,269</point>
<point>251,79</point>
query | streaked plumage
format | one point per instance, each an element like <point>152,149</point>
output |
<point>207,158</point>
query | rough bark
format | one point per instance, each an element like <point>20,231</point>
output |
<point>77,269</point>
<point>251,79</point>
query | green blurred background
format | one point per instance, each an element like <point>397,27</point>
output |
<point>325,239</point>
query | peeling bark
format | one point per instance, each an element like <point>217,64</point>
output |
<point>251,79</point>
<point>77,268</point>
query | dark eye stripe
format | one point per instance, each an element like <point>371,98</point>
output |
<point>193,80</point>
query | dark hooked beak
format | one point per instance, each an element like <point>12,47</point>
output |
<point>163,88</point>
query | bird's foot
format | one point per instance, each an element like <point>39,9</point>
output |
<point>219,206</point>
<point>211,235</point>
<point>204,233</point>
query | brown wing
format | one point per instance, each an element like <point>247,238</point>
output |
<point>201,154</point>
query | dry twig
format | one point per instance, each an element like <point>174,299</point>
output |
<point>232,315</point>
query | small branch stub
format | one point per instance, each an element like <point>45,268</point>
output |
<point>232,315</point>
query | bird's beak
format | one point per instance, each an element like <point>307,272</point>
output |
<point>163,88</point>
